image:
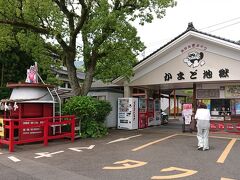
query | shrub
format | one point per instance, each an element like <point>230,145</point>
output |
<point>103,109</point>
<point>91,112</point>
<point>92,128</point>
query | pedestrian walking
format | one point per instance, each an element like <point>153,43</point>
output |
<point>203,125</point>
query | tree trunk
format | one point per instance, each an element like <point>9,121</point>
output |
<point>89,76</point>
<point>72,74</point>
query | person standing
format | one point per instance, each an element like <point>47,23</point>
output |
<point>203,125</point>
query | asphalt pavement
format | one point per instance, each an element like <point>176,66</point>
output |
<point>159,152</point>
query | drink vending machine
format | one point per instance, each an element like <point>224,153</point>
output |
<point>157,112</point>
<point>142,108</point>
<point>150,112</point>
<point>127,113</point>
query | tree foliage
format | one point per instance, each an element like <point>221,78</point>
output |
<point>13,65</point>
<point>99,31</point>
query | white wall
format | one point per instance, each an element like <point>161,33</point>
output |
<point>216,57</point>
<point>112,97</point>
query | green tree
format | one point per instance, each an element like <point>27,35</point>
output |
<point>100,31</point>
<point>13,66</point>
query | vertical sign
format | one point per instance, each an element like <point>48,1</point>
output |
<point>187,113</point>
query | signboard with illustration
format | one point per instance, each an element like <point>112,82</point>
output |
<point>187,113</point>
<point>232,91</point>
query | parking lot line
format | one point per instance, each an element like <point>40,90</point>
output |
<point>217,137</point>
<point>153,142</point>
<point>226,151</point>
<point>14,159</point>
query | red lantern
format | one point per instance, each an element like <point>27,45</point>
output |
<point>238,126</point>
<point>221,126</point>
<point>213,126</point>
<point>230,126</point>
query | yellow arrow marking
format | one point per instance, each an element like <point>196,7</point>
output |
<point>187,172</point>
<point>226,151</point>
<point>226,179</point>
<point>126,165</point>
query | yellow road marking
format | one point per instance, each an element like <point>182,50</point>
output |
<point>226,151</point>
<point>226,179</point>
<point>154,142</point>
<point>217,137</point>
<point>220,137</point>
<point>126,165</point>
<point>186,172</point>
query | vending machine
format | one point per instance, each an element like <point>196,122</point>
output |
<point>150,112</point>
<point>142,109</point>
<point>157,112</point>
<point>127,113</point>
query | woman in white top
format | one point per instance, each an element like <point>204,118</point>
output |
<point>203,125</point>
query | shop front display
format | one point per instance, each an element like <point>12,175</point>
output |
<point>224,104</point>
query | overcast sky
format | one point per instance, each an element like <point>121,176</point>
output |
<point>203,13</point>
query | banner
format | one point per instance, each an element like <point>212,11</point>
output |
<point>187,113</point>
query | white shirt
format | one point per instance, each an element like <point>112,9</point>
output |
<point>203,114</point>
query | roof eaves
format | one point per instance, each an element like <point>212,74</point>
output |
<point>189,28</point>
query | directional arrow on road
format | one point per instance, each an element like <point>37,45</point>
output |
<point>47,154</point>
<point>79,149</point>
<point>123,139</point>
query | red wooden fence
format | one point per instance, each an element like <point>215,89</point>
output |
<point>37,129</point>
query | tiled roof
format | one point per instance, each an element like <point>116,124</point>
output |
<point>189,28</point>
<point>80,75</point>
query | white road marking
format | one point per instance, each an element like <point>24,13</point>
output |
<point>14,159</point>
<point>79,149</point>
<point>124,139</point>
<point>47,154</point>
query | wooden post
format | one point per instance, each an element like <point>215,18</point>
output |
<point>169,104</point>
<point>194,98</point>
<point>174,108</point>
<point>177,105</point>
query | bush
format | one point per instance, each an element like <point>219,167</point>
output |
<point>103,109</point>
<point>92,128</point>
<point>91,112</point>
